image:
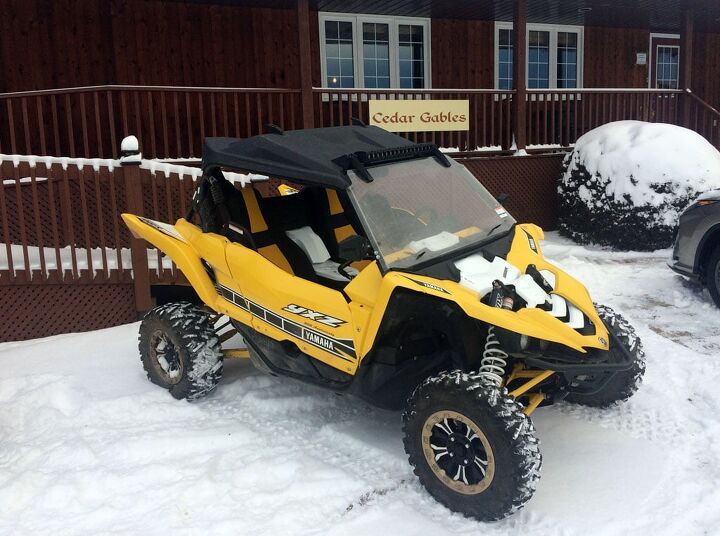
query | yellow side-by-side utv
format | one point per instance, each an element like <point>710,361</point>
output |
<point>388,272</point>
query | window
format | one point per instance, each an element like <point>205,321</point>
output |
<point>538,59</point>
<point>554,56</point>
<point>339,54</point>
<point>505,59</point>
<point>666,67</point>
<point>567,59</point>
<point>411,44</point>
<point>374,52</point>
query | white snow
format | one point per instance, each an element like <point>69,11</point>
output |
<point>485,148</point>
<point>636,155</point>
<point>81,255</point>
<point>130,144</point>
<point>89,446</point>
<point>64,161</point>
<point>154,165</point>
<point>23,180</point>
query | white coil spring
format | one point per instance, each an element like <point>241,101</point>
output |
<point>494,360</point>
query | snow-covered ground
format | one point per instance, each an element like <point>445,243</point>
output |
<point>89,446</point>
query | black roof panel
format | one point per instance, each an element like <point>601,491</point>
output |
<point>305,156</point>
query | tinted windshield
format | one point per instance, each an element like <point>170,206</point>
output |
<point>418,209</point>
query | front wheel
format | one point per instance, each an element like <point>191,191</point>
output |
<point>471,446</point>
<point>712,275</point>
<point>180,350</point>
<point>622,385</point>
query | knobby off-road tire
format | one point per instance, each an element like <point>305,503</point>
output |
<point>623,384</point>
<point>180,350</point>
<point>712,275</point>
<point>487,433</point>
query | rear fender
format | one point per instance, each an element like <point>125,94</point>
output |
<point>176,242</point>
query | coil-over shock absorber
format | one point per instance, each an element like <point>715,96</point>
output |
<point>494,358</point>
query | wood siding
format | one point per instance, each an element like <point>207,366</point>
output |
<point>66,43</point>
<point>63,43</point>
<point>462,53</point>
<point>706,67</point>
<point>610,57</point>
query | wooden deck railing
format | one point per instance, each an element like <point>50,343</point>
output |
<point>60,219</point>
<point>560,116</point>
<point>703,118</point>
<point>171,122</point>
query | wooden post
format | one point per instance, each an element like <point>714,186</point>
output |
<point>686,56</point>
<point>130,160</point>
<point>305,63</point>
<point>519,71</point>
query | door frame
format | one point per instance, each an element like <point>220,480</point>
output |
<point>661,39</point>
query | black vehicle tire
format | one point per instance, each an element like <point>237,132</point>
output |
<point>487,426</point>
<point>180,350</point>
<point>712,275</point>
<point>623,384</point>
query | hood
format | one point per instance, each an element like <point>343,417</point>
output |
<point>478,274</point>
<point>555,293</point>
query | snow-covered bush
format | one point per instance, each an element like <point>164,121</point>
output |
<point>625,183</point>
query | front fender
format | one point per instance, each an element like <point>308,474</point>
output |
<point>531,322</point>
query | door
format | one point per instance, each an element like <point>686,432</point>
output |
<point>664,62</point>
<point>285,307</point>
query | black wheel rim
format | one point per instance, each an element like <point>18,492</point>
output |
<point>458,452</point>
<point>165,357</point>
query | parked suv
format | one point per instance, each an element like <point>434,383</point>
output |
<point>697,247</point>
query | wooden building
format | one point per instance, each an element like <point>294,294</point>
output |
<point>577,52</point>
<point>49,44</point>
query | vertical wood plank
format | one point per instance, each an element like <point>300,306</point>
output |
<point>59,272</point>
<point>11,126</point>
<point>38,223</point>
<point>41,125</point>
<point>86,224</point>
<point>68,224</point>
<point>84,126</point>
<point>110,177</point>
<point>26,126</point>
<point>165,153</point>
<point>19,202</point>
<point>4,218</point>
<point>176,115</point>
<point>55,125</point>
<point>151,119</point>
<point>190,133</point>
<point>111,118</point>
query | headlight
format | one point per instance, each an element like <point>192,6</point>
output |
<point>699,203</point>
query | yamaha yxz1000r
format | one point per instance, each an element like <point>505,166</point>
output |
<point>388,272</point>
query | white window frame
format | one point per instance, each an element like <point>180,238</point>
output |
<point>651,55</point>
<point>359,60</point>
<point>553,29</point>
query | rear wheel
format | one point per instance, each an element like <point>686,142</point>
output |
<point>471,446</point>
<point>180,350</point>
<point>712,275</point>
<point>623,384</point>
